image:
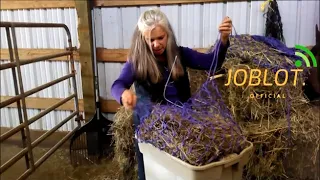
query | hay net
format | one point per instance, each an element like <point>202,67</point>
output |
<point>199,131</point>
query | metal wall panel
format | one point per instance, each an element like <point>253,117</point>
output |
<point>196,26</point>
<point>42,37</point>
<point>256,20</point>
<point>299,19</point>
<point>36,74</point>
<point>309,16</point>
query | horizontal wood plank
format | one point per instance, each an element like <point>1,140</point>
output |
<point>120,55</point>
<point>112,55</point>
<point>36,4</point>
<point>107,106</point>
<point>118,3</point>
<point>103,54</point>
<point>25,53</point>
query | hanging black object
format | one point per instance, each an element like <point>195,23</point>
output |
<point>273,22</point>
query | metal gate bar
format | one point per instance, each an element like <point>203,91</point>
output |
<point>23,135</point>
<point>34,90</point>
<point>47,155</point>
<point>35,118</point>
<point>23,117</point>
<point>28,61</point>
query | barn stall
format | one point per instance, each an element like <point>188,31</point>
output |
<point>195,24</point>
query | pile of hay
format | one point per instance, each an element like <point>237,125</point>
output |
<point>282,153</point>
<point>275,125</point>
<point>198,77</point>
<point>124,150</point>
<point>200,132</point>
<point>197,143</point>
<point>253,102</point>
<point>247,54</point>
<point>280,128</point>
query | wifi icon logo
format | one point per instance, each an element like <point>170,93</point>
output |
<point>298,63</point>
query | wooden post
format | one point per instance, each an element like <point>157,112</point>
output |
<point>86,56</point>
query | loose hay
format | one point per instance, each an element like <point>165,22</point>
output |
<point>196,79</point>
<point>303,161</point>
<point>270,147</point>
<point>276,148</point>
<point>123,136</point>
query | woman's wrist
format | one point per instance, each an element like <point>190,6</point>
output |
<point>224,40</point>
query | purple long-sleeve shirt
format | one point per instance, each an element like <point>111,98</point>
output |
<point>192,59</point>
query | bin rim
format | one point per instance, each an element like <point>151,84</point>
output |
<point>231,160</point>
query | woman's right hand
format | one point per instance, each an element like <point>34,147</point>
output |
<point>129,99</point>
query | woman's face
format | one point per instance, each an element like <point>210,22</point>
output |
<point>158,39</point>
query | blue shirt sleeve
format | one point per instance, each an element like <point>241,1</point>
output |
<point>203,61</point>
<point>123,82</point>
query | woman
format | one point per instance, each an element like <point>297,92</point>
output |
<point>154,54</point>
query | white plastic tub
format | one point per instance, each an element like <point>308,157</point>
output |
<point>159,165</point>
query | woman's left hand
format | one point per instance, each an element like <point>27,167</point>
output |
<point>225,28</point>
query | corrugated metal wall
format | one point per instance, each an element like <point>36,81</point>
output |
<point>40,73</point>
<point>196,26</point>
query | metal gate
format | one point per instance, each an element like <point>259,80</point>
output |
<point>20,95</point>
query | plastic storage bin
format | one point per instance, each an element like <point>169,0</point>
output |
<point>160,165</point>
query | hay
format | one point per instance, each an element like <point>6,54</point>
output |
<point>267,121</point>
<point>196,79</point>
<point>276,147</point>
<point>248,54</point>
<point>199,77</point>
<point>123,137</point>
<point>194,143</point>
<point>268,149</point>
<point>303,161</point>
<point>263,121</point>
<point>279,153</point>
<point>200,132</point>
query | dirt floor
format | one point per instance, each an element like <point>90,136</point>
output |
<point>56,167</point>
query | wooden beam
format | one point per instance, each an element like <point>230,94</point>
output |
<point>120,55</point>
<point>86,56</point>
<point>112,55</point>
<point>103,54</point>
<point>33,53</point>
<point>107,106</point>
<point>118,3</point>
<point>36,4</point>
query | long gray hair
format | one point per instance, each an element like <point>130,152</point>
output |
<point>141,54</point>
